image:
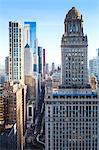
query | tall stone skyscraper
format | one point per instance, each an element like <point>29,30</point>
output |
<point>71,110</point>
<point>74,51</point>
<point>15,52</point>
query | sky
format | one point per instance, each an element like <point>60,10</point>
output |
<point>49,16</point>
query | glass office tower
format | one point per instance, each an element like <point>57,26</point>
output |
<point>30,35</point>
<point>30,39</point>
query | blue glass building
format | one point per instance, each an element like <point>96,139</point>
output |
<point>30,35</point>
<point>30,39</point>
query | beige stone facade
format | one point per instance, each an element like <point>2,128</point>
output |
<point>15,109</point>
<point>74,51</point>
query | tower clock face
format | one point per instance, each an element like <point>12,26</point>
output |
<point>73,27</point>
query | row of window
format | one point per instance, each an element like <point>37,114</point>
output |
<point>89,103</point>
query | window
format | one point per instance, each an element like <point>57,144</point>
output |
<point>30,111</point>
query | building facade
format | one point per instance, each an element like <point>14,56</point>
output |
<point>71,110</point>
<point>47,69</point>
<point>15,52</point>
<point>30,112</point>
<point>15,109</point>
<point>74,51</point>
<point>30,35</point>
<point>40,60</point>
<point>53,67</point>
<point>30,39</point>
<point>30,81</point>
<point>44,64</point>
<point>28,61</point>
<point>7,66</point>
<point>56,79</point>
<point>72,120</point>
<point>2,117</point>
<point>94,66</point>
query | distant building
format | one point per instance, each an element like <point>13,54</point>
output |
<point>47,68</point>
<point>93,83</point>
<point>2,79</point>
<point>40,60</point>
<point>30,35</point>
<point>53,67</point>
<point>2,75</point>
<point>30,81</point>
<point>30,39</point>
<point>94,66</point>
<point>44,63</point>
<point>56,79</point>
<point>16,72</point>
<point>28,61</point>
<point>7,66</point>
<point>97,52</point>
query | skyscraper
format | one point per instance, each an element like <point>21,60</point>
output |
<point>71,110</point>
<point>44,63</point>
<point>28,61</point>
<point>40,60</point>
<point>30,35</point>
<point>53,67</point>
<point>30,39</point>
<point>74,51</point>
<point>15,52</point>
<point>47,68</point>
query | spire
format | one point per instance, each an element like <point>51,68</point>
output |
<point>27,46</point>
<point>73,13</point>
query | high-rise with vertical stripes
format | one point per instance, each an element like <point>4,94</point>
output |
<point>16,69</point>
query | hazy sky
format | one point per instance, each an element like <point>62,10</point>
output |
<point>49,15</point>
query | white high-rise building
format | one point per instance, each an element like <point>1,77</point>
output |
<point>72,110</point>
<point>16,69</point>
<point>30,35</point>
<point>28,61</point>
<point>30,39</point>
